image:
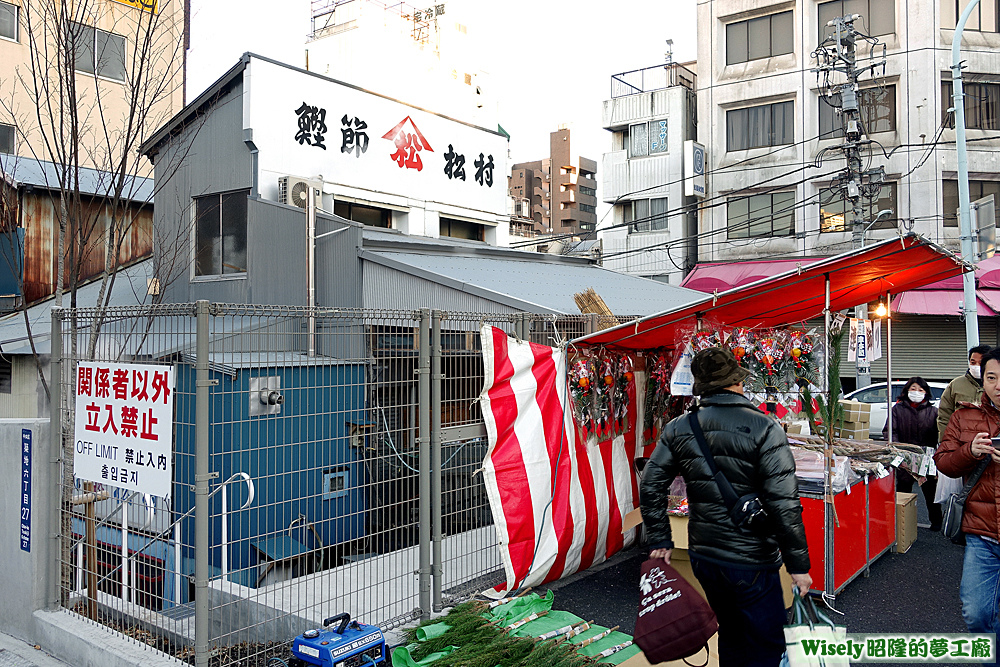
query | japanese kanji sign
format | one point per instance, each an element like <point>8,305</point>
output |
<point>26,490</point>
<point>124,425</point>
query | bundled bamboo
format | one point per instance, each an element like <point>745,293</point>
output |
<point>590,303</point>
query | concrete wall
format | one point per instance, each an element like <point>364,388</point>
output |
<point>24,576</point>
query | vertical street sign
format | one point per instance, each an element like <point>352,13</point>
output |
<point>26,490</point>
<point>694,169</point>
<point>124,425</point>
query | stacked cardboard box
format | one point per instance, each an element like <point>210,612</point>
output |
<point>906,521</point>
<point>857,421</point>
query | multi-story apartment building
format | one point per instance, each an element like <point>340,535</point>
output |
<point>769,131</point>
<point>561,189</point>
<point>650,115</point>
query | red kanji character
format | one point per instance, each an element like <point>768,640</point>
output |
<point>119,382</point>
<point>101,383</point>
<point>85,375</point>
<point>93,413</point>
<point>139,391</point>
<point>160,383</point>
<point>111,420</point>
<point>148,420</point>
<point>407,147</point>
<point>130,419</point>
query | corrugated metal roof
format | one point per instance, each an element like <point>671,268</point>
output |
<point>536,282</point>
<point>43,174</point>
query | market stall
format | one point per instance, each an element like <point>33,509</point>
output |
<point>565,423</point>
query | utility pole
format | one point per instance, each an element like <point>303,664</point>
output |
<point>838,54</point>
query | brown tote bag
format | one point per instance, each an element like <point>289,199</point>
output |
<point>674,621</point>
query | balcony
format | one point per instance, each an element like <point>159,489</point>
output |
<point>648,79</point>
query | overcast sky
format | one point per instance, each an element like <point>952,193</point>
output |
<point>550,61</point>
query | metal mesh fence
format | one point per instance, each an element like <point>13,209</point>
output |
<point>342,453</point>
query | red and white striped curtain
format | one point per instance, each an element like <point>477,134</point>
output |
<point>557,501</point>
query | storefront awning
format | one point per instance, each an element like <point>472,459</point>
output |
<point>944,302</point>
<point>727,275</point>
<point>856,277</point>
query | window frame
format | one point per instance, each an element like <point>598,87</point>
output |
<point>865,18</point>
<point>17,23</point>
<point>949,217</point>
<point>13,139</point>
<point>647,142</point>
<point>99,72</point>
<point>745,25</point>
<point>196,236</point>
<point>750,222</point>
<point>647,221</point>
<point>769,131</point>
<point>976,19</point>
<point>869,208</point>
<point>969,89</point>
<point>865,108</point>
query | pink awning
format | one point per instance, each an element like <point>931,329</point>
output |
<point>987,276</point>
<point>723,276</point>
<point>943,302</point>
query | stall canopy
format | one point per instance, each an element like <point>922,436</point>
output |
<point>721,276</point>
<point>856,277</point>
<point>945,297</point>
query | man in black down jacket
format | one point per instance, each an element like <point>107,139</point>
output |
<point>739,572</point>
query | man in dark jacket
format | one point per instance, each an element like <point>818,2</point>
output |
<point>739,572</point>
<point>967,387</point>
<point>966,443</point>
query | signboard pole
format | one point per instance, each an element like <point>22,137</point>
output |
<point>201,479</point>
<point>91,547</point>
<point>56,556</point>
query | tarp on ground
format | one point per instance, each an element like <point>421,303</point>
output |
<point>856,277</point>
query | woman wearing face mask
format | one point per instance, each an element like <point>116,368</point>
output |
<point>914,422</point>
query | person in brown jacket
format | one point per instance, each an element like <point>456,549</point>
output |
<point>967,442</point>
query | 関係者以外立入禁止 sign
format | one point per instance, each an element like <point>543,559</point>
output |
<point>124,425</point>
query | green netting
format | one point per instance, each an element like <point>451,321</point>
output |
<point>432,631</point>
<point>553,620</point>
<point>401,656</point>
<point>522,607</point>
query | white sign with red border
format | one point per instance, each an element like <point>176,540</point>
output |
<point>124,426</point>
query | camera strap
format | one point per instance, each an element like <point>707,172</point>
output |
<point>728,493</point>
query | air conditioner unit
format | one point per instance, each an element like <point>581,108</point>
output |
<point>295,191</point>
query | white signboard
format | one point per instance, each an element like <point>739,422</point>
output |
<point>124,426</point>
<point>309,126</point>
<point>694,169</point>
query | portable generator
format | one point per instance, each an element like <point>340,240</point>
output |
<point>351,644</point>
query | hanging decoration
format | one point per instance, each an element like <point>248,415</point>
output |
<point>802,360</point>
<point>582,372</point>
<point>658,370</point>
<point>624,387</point>
<point>604,391</point>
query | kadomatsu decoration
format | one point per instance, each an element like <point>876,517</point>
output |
<point>769,352</point>
<point>802,359</point>
<point>702,340</point>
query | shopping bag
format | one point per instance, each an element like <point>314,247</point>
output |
<point>805,635</point>
<point>674,621</point>
<point>946,486</point>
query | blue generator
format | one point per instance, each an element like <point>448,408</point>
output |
<point>351,644</point>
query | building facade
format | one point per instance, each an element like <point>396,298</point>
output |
<point>650,115</point>
<point>560,190</point>
<point>771,133</point>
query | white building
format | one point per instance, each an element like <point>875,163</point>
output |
<point>761,118</point>
<point>650,115</point>
<point>422,54</point>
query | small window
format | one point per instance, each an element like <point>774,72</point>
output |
<point>462,229</point>
<point>977,190</point>
<point>657,136</point>
<point>590,192</point>
<point>649,215</point>
<point>6,138</point>
<point>638,140</point>
<point>588,208</point>
<point>761,215</point>
<point>877,108</point>
<point>760,126</point>
<point>762,37</point>
<point>985,16</point>
<point>336,483</point>
<point>221,234</point>
<point>878,17</point>
<point>6,371</point>
<point>99,52</point>
<point>369,216</point>
<point>982,105</point>
<point>835,214</point>
<point>8,21</point>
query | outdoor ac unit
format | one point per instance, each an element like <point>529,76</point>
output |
<point>295,191</point>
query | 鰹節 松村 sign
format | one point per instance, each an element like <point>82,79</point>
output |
<point>124,426</point>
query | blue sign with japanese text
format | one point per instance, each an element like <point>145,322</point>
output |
<point>26,490</point>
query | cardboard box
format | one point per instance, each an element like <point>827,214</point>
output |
<point>852,430</point>
<point>857,412</point>
<point>906,521</point>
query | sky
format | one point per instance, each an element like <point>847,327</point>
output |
<point>550,61</point>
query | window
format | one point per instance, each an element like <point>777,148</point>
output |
<point>761,215</point>
<point>650,215</point>
<point>982,105</point>
<point>877,107</point>
<point>462,229</point>
<point>98,52</point>
<point>981,19</point>
<point>756,127</point>
<point>6,138</point>
<point>221,234</point>
<point>878,17</point>
<point>977,190</point>
<point>835,214</point>
<point>588,208</point>
<point>647,139</point>
<point>369,216</point>
<point>761,37</point>
<point>590,192</point>
<point>8,21</point>
<point>6,371</point>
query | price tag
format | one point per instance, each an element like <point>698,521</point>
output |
<point>848,489</point>
<point>881,472</point>
<point>925,466</point>
<point>932,470</point>
<point>896,461</point>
